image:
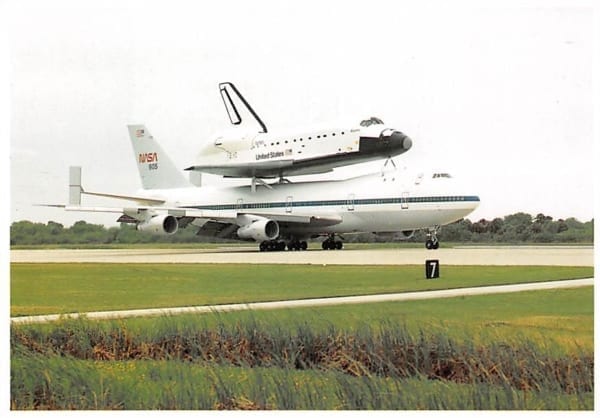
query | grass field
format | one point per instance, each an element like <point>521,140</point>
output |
<point>532,350</point>
<point>563,317</point>
<point>63,288</point>
<point>523,351</point>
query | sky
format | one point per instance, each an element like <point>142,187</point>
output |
<point>499,94</point>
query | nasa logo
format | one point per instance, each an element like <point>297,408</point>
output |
<point>148,157</point>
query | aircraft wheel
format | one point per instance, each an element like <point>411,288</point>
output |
<point>280,246</point>
<point>303,245</point>
<point>436,245</point>
<point>429,244</point>
<point>262,246</point>
<point>339,245</point>
<point>325,245</point>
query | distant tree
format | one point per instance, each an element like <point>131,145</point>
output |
<point>480,227</point>
<point>55,228</point>
<point>519,219</point>
<point>541,218</point>
<point>27,233</point>
<point>496,226</point>
<point>459,231</point>
<point>562,226</point>
<point>516,228</point>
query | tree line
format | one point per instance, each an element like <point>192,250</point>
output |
<point>518,228</point>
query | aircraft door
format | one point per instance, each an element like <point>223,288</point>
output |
<point>240,204</point>
<point>404,200</point>
<point>289,203</point>
<point>350,202</point>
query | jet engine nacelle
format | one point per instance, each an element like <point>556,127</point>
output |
<point>259,230</point>
<point>160,225</point>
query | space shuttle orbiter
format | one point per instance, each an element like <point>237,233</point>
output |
<point>263,154</point>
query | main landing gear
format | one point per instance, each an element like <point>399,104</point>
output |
<point>432,242</point>
<point>275,245</point>
<point>331,244</point>
<point>297,245</point>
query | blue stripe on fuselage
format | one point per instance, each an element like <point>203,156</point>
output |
<point>355,202</point>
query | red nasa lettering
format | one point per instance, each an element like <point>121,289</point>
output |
<point>148,157</point>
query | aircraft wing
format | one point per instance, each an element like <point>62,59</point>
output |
<point>209,220</point>
<point>221,228</point>
<point>254,169</point>
<point>298,218</point>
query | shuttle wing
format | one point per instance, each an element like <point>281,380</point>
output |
<point>253,169</point>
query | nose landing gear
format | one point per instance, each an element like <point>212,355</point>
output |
<point>432,243</point>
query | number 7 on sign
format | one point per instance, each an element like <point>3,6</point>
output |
<point>433,265</point>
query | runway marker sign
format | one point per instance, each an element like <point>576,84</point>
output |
<point>432,269</point>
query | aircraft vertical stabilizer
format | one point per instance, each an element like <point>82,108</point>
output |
<point>157,170</point>
<point>75,185</point>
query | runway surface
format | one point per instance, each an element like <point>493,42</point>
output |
<point>302,303</point>
<point>503,255</point>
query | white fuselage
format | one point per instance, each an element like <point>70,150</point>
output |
<point>239,153</point>
<point>392,202</point>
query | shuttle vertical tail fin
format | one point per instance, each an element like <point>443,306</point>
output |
<point>228,90</point>
<point>157,170</point>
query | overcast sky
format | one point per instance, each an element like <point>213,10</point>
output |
<point>499,95</point>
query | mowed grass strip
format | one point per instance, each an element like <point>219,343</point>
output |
<point>63,288</point>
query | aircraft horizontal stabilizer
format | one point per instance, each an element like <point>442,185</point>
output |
<point>142,200</point>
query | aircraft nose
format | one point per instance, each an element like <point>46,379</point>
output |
<point>401,140</point>
<point>389,143</point>
<point>397,140</point>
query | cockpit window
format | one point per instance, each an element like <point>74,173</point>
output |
<point>372,121</point>
<point>441,175</point>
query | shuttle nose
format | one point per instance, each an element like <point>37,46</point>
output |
<point>388,143</point>
<point>395,140</point>
<point>398,140</point>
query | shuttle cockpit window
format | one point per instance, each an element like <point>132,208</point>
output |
<point>371,121</point>
<point>442,176</point>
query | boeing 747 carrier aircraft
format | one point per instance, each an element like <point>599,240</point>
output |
<point>281,215</point>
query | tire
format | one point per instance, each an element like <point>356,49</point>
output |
<point>339,245</point>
